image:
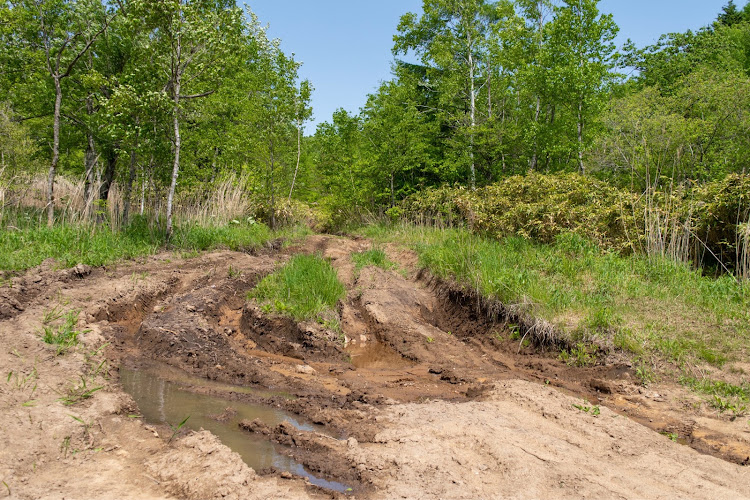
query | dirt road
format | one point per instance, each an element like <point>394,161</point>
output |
<point>424,397</point>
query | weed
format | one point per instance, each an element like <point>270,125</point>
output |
<point>176,429</point>
<point>79,392</point>
<point>644,372</point>
<point>672,436</point>
<point>21,381</point>
<point>63,334</point>
<point>593,410</point>
<point>94,365</point>
<point>305,288</point>
<point>52,315</point>
<point>234,273</point>
<point>723,405</point>
<point>7,487</point>
<point>430,340</point>
<point>580,355</point>
<point>65,446</point>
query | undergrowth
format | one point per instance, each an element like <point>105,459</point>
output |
<point>306,288</point>
<point>645,306</point>
<point>25,241</point>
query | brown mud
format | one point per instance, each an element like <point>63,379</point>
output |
<point>421,395</point>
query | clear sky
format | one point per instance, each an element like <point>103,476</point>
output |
<point>345,45</point>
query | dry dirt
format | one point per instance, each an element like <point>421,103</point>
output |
<point>429,398</point>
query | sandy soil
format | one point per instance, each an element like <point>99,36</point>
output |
<point>428,399</point>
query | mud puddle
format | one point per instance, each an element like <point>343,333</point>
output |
<point>163,401</point>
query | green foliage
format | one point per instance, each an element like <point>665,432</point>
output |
<point>177,428</point>
<point>587,408</point>
<point>536,206</point>
<point>60,329</point>
<point>581,355</point>
<point>373,257</point>
<point>95,245</point>
<point>79,392</point>
<point>306,288</point>
<point>588,293</point>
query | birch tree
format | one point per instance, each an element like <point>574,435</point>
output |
<point>196,40</point>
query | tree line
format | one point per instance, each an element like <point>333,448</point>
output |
<point>165,97</point>
<point>483,90</point>
<point>148,93</point>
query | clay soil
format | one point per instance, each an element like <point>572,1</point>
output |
<point>420,394</point>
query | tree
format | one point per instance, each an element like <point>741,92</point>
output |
<point>730,15</point>
<point>195,40</point>
<point>451,38</point>
<point>396,137</point>
<point>581,39</point>
<point>63,31</point>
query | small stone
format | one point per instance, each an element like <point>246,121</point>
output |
<point>286,475</point>
<point>190,308</point>
<point>305,369</point>
<point>351,443</point>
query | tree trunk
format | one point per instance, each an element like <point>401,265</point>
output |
<point>177,146</point>
<point>109,172</point>
<point>55,154</point>
<point>129,187</point>
<point>272,189</point>
<point>299,156</point>
<point>580,137</point>
<point>473,115</point>
<point>393,193</point>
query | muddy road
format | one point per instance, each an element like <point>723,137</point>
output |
<point>420,395</point>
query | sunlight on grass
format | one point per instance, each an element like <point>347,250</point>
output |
<point>642,305</point>
<point>306,288</point>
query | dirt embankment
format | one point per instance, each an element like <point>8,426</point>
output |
<point>428,399</point>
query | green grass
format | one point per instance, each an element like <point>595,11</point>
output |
<point>373,257</point>
<point>30,242</point>
<point>305,288</point>
<point>60,329</point>
<point>644,306</point>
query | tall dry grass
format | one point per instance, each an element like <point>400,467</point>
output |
<point>743,251</point>
<point>226,199</point>
<point>215,204</point>
<point>668,228</point>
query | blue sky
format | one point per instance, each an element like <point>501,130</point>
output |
<point>345,45</point>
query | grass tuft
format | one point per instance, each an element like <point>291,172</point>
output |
<point>373,257</point>
<point>306,288</point>
<point>60,329</point>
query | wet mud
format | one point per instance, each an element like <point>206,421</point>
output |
<point>339,413</point>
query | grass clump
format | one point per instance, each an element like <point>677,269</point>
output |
<point>306,288</point>
<point>373,257</point>
<point>60,329</point>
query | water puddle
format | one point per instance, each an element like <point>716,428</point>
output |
<point>163,401</point>
<point>376,356</point>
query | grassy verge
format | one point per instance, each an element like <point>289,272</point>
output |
<point>651,308</point>
<point>26,242</point>
<point>307,288</point>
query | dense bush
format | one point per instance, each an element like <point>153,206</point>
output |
<point>705,223</point>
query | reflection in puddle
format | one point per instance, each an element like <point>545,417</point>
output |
<point>164,402</point>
